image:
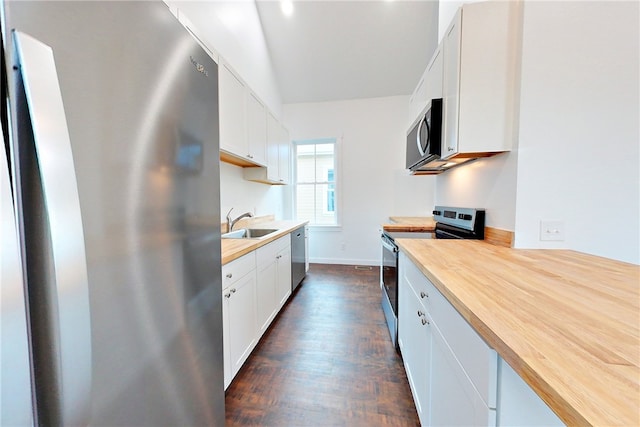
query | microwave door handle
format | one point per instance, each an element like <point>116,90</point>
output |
<point>418,141</point>
<point>68,287</point>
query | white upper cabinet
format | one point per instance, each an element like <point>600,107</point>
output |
<point>278,153</point>
<point>419,97</point>
<point>233,137</point>
<point>242,121</point>
<point>479,52</point>
<point>433,76</point>
<point>256,129</point>
<point>273,146</point>
<point>284,153</point>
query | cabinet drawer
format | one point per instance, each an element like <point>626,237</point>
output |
<point>238,268</point>
<point>418,281</point>
<point>267,253</point>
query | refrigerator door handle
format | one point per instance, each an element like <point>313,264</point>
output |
<point>16,407</point>
<point>70,291</point>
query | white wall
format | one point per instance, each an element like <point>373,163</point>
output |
<point>486,183</point>
<point>246,196</point>
<point>374,184</point>
<point>579,157</point>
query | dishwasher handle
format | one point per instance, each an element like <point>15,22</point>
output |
<point>388,244</point>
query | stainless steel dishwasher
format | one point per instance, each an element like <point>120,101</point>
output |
<point>298,256</point>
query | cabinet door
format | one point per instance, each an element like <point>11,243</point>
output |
<point>267,303</point>
<point>225,338</point>
<point>273,148</point>
<point>284,149</point>
<point>284,275</point>
<point>451,86</point>
<point>418,99</point>
<point>414,337</point>
<point>232,113</point>
<point>256,130</point>
<point>519,405</point>
<point>240,301</point>
<point>454,399</point>
<point>433,80</point>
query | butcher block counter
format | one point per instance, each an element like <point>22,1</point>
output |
<point>234,248</point>
<point>566,322</point>
<point>410,224</point>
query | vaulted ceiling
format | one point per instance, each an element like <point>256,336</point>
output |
<point>334,50</point>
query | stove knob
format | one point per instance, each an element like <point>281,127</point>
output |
<point>437,212</point>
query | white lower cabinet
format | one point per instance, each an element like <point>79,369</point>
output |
<point>274,279</point>
<point>240,331</point>
<point>284,275</point>
<point>414,339</point>
<point>454,399</point>
<point>267,306</point>
<point>456,379</point>
<point>452,372</point>
<point>519,405</point>
<point>255,287</point>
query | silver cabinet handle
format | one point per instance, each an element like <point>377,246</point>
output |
<point>423,295</point>
<point>229,275</point>
<point>425,321</point>
<point>227,295</point>
<point>420,313</point>
<point>233,291</point>
<point>68,285</point>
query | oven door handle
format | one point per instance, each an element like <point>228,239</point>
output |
<point>386,244</point>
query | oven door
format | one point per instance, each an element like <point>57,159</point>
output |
<point>389,285</point>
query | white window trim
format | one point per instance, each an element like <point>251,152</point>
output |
<point>337,141</point>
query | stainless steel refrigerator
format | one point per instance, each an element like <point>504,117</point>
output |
<point>111,287</point>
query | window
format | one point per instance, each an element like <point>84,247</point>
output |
<point>315,182</point>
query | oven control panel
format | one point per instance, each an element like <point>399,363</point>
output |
<point>465,218</point>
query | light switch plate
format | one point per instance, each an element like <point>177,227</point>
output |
<point>552,230</point>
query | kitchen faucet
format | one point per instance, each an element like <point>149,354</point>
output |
<point>232,222</point>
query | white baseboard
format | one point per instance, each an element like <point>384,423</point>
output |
<point>342,261</point>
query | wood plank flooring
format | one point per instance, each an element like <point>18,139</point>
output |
<point>327,360</point>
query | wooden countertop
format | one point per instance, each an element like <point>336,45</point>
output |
<point>567,322</point>
<point>410,224</point>
<point>235,248</point>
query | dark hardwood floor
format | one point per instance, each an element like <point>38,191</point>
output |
<point>327,360</point>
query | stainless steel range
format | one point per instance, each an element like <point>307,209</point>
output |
<point>451,223</point>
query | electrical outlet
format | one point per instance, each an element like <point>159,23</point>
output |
<point>552,230</point>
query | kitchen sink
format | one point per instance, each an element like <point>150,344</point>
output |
<point>249,233</point>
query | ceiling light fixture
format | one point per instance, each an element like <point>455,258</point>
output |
<point>287,7</point>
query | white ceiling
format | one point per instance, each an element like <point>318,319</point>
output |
<point>336,50</point>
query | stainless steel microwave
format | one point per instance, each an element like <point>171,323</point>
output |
<point>424,137</point>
